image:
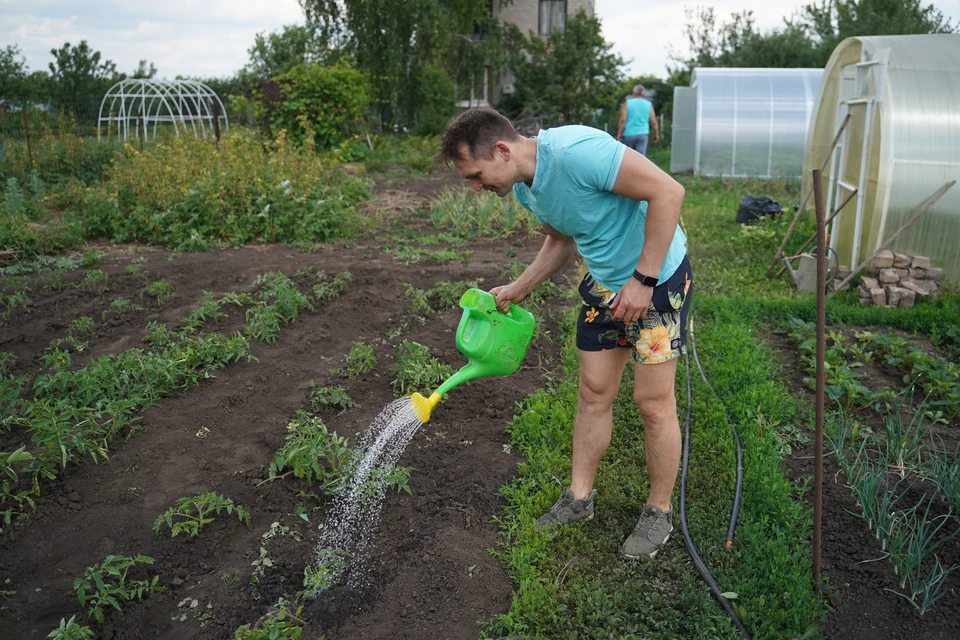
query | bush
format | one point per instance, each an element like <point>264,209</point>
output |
<point>186,195</point>
<point>321,104</point>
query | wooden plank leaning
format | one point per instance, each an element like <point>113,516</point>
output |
<point>833,215</point>
<point>806,197</point>
<point>926,205</point>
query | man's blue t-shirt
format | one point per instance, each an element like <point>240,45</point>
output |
<point>638,117</point>
<point>572,192</point>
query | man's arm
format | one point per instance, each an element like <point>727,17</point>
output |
<point>655,124</point>
<point>556,251</point>
<point>623,121</point>
<point>640,179</point>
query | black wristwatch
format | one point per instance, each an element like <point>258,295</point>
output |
<point>649,281</point>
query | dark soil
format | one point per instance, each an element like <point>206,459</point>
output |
<point>433,574</point>
<point>862,607</point>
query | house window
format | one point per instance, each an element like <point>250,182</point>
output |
<point>553,16</point>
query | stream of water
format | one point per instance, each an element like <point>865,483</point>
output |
<point>356,509</point>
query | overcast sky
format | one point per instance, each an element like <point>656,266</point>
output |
<point>211,37</point>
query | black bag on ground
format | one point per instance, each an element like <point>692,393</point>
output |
<point>752,208</point>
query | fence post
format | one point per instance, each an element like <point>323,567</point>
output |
<point>26,132</point>
<point>139,130</point>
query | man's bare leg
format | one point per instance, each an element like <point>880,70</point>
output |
<point>654,394</point>
<point>600,374</point>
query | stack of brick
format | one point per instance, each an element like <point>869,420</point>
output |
<point>897,280</point>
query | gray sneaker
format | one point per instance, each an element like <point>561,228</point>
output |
<point>566,510</point>
<point>651,533</point>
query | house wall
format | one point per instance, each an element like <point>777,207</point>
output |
<point>526,13</point>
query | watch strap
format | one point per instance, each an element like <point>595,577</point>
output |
<point>649,281</point>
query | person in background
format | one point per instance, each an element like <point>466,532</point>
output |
<point>617,209</point>
<point>636,119</point>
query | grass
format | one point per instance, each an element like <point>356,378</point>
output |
<point>577,585</point>
<point>574,583</point>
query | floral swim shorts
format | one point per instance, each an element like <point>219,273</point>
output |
<point>659,336</point>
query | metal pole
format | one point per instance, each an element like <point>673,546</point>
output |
<point>26,132</point>
<point>139,130</point>
<point>821,373</point>
<point>806,197</point>
<point>926,205</point>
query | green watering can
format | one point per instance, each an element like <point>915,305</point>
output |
<point>494,343</point>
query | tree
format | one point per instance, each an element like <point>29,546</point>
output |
<point>569,75</point>
<point>805,40</point>
<point>400,44</point>
<point>13,74</point>
<point>143,71</point>
<point>273,54</point>
<point>831,21</point>
<point>78,71</point>
<point>737,43</point>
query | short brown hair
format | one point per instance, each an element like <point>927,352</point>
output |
<point>480,129</point>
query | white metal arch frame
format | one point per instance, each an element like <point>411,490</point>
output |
<point>138,103</point>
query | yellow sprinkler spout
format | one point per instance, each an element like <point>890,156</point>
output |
<point>423,406</point>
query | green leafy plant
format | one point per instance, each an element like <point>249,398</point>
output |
<point>208,310</point>
<point>449,293</point>
<point>416,370</point>
<point>280,303</point>
<point>358,361</point>
<point>419,300</point>
<point>10,301</point>
<point>330,399</point>
<point>333,288</point>
<point>71,630</point>
<point>136,266</point>
<point>191,514</point>
<point>280,624</point>
<point>83,324</point>
<point>161,290</point>
<point>120,307</point>
<point>106,585</point>
<point>7,360</point>
<point>95,280</point>
<point>322,575</point>
<point>311,452</point>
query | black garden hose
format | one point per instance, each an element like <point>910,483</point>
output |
<point>684,529</point>
<point>738,491</point>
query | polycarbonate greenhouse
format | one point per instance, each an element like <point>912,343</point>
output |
<point>743,122</point>
<point>144,105</point>
<point>900,146</point>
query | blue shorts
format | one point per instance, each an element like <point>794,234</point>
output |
<point>659,336</point>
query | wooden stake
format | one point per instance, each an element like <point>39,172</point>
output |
<point>926,205</point>
<point>806,197</point>
<point>820,372</point>
<point>26,132</point>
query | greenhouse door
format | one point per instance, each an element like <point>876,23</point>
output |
<point>853,169</point>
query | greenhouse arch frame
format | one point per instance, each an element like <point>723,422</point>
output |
<point>900,146</point>
<point>743,122</point>
<point>136,105</point>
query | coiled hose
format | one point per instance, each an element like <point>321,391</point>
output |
<point>684,529</point>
